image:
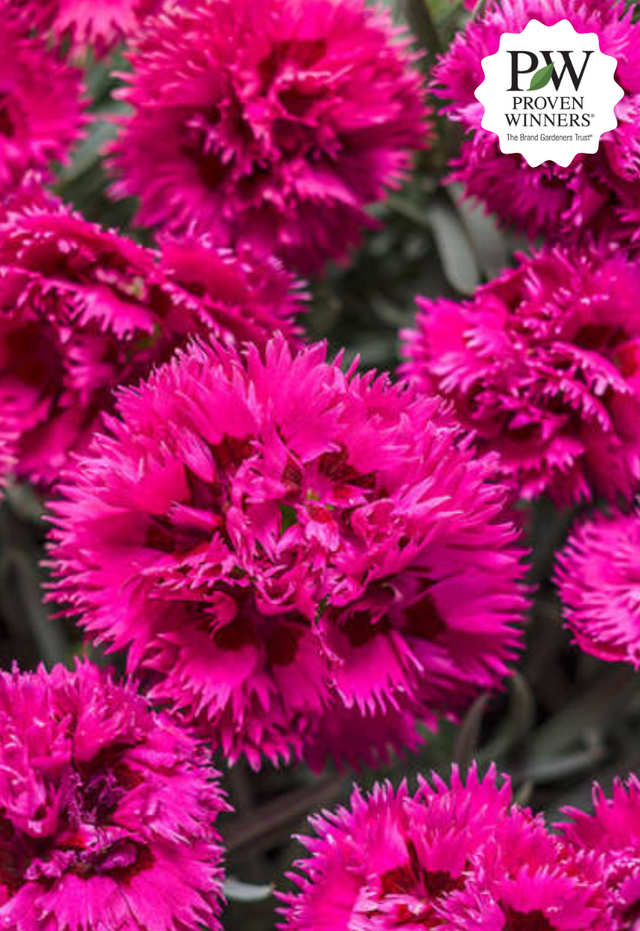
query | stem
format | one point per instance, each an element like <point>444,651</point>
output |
<point>420,20</point>
<point>270,818</point>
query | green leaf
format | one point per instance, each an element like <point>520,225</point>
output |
<point>541,78</point>
<point>322,607</point>
<point>458,260</point>
<point>289,517</point>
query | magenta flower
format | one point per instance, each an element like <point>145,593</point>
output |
<point>95,24</point>
<point>598,577</point>
<point>41,110</point>
<point>83,310</point>
<point>543,366</point>
<point>272,122</point>
<point>526,879</point>
<point>235,296</point>
<point>613,832</point>
<point>452,858</point>
<point>277,543</point>
<point>107,810</point>
<point>597,194</point>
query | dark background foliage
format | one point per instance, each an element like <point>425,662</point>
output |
<point>564,719</point>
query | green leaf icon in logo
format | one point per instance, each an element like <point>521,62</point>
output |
<point>541,78</point>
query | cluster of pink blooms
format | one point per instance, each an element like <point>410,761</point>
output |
<point>107,813</point>
<point>272,122</point>
<point>596,195</point>
<point>462,857</point>
<point>279,544</point>
<point>542,365</point>
<point>302,561</point>
<point>83,310</point>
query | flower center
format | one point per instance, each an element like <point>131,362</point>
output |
<point>600,336</point>
<point>416,890</point>
<point>526,921</point>
<point>83,841</point>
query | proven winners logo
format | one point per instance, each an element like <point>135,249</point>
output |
<point>549,93</point>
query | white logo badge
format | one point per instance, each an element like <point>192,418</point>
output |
<point>549,93</point>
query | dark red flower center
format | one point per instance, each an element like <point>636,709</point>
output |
<point>79,842</point>
<point>424,620</point>
<point>600,337</point>
<point>304,54</point>
<point>210,167</point>
<point>424,886</point>
<point>199,147</point>
<point>526,921</point>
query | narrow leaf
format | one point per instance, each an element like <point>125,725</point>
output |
<point>541,78</point>
<point>458,260</point>
<point>239,891</point>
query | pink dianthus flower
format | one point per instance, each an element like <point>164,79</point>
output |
<point>83,310</point>
<point>277,542</point>
<point>456,857</point>
<point>543,365</point>
<point>613,831</point>
<point>95,24</point>
<point>598,578</point>
<point>596,195</point>
<point>272,122</point>
<point>107,810</point>
<point>41,110</point>
<point>526,879</point>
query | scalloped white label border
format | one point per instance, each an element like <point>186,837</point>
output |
<point>553,123</point>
